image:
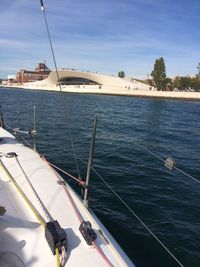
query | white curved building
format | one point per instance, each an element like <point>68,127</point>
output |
<point>86,82</point>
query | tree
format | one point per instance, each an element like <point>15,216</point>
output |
<point>121,74</point>
<point>176,82</point>
<point>184,82</point>
<point>159,74</point>
<point>196,84</point>
<point>198,67</point>
<point>168,84</point>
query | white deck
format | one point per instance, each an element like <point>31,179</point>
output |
<point>22,236</point>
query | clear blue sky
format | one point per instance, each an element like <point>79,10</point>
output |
<point>105,35</point>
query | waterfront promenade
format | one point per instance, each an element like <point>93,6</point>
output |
<point>104,90</point>
<point>74,81</point>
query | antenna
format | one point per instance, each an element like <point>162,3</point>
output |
<point>90,159</point>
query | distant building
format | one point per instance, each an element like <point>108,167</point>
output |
<point>41,72</point>
<point>11,77</point>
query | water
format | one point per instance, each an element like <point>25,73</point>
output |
<point>167,201</point>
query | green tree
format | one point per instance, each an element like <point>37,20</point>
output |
<point>168,84</point>
<point>121,74</point>
<point>196,84</point>
<point>159,74</point>
<point>198,68</point>
<point>176,82</point>
<point>185,82</point>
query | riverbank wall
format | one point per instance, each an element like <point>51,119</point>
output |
<point>102,90</point>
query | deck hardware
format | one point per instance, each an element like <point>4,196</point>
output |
<point>2,210</point>
<point>32,132</point>
<point>11,155</point>
<point>103,236</point>
<point>87,232</point>
<point>60,182</point>
<point>56,236</point>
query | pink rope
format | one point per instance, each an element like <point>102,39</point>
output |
<point>78,214</point>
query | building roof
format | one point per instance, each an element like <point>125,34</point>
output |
<point>35,72</point>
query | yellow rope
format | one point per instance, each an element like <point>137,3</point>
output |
<point>57,258</point>
<point>36,213</point>
<point>38,216</point>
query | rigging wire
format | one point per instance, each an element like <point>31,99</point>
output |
<point>20,136</point>
<point>29,203</point>
<point>145,226</point>
<point>77,212</point>
<point>81,182</point>
<point>138,218</point>
<point>44,209</point>
<point>36,213</point>
<point>58,78</point>
<point>161,159</point>
<point>134,142</point>
<point>131,210</point>
<point>74,154</point>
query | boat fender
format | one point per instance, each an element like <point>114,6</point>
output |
<point>87,232</point>
<point>56,236</point>
<point>170,163</point>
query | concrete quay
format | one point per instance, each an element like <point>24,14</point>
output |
<point>104,90</point>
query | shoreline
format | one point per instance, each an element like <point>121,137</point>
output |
<point>191,96</point>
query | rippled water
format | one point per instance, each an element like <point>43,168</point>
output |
<point>167,201</point>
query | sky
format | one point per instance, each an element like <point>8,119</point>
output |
<point>104,36</point>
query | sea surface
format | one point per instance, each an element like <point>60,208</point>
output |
<point>134,136</point>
